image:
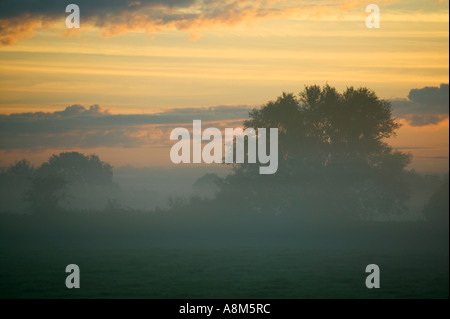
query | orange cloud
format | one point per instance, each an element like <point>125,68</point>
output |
<point>17,28</point>
<point>188,16</point>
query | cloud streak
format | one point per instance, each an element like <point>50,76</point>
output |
<point>77,126</point>
<point>18,19</point>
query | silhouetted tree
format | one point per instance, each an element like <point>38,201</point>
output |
<point>437,208</point>
<point>77,168</point>
<point>207,185</point>
<point>14,182</point>
<point>333,158</point>
<point>80,180</point>
<point>46,193</point>
<point>21,170</point>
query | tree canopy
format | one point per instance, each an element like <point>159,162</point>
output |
<point>78,168</point>
<point>333,156</point>
<point>70,176</point>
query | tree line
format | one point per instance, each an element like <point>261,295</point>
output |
<point>334,163</point>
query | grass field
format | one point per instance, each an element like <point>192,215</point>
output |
<point>145,256</point>
<point>145,271</point>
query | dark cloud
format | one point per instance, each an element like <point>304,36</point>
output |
<point>77,126</point>
<point>19,18</point>
<point>435,97</point>
<point>77,109</point>
<point>89,8</point>
<point>429,105</point>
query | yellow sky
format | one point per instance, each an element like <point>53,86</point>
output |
<point>246,60</point>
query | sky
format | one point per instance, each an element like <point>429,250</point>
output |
<point>135,69</point>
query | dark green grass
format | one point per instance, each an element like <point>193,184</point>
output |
<point>159,256</point>
<point>138,271</point>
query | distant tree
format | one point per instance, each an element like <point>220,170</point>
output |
<point>333,157</point>
<point>46,193</point>
<point>14,182</point>
<point>78,179</point>
<point>21,170</point>
<point>437,208</point>
<point>77,168</point>
<point>207,185</point>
